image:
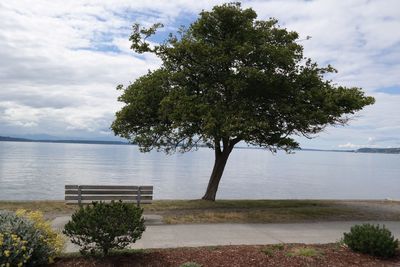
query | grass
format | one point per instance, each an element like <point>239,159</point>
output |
<point>232,211</point>
<point>305,252</point>
<point>49,208</point>
<point>258,211</point>
<point>271,250</point>
<point>190,264</point>
<point>212,248</point>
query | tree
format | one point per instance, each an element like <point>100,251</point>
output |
<point>230,78</point>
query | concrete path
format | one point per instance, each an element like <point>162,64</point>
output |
<point>190,235</point>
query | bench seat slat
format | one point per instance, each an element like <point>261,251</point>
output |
<point>108,192</point>
<point>108,198</point>
<point>129,187</point>
<point>147,187</point>
<point>86,194</point>
<point>84,202</point>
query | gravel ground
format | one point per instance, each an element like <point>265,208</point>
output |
<point>232,256</point>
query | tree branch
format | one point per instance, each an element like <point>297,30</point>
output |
<point>217,146</point>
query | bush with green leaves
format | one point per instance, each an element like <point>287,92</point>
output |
<point>371,239</point>
<point>104,226</point>
<point>22,243</point>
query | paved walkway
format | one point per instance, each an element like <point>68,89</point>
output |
<point>190,235</point>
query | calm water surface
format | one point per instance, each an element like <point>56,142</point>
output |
<point>33,171</point>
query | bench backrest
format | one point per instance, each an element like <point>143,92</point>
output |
<point>86,194</point>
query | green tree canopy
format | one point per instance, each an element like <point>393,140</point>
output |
<point>228,78</point>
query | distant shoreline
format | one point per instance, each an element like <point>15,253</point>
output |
<point>14,139</point>
<point>360,150</point>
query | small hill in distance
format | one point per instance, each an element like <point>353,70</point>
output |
<point>379,150</point>
<point>14,139</point>
<point>360,150</point>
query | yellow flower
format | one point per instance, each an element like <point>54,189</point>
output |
<point>52,238</point>
<point>7,253</point>
<point>20,212</point>
<point>23,248</point>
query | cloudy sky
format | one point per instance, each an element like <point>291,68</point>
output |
<point>60,61</point>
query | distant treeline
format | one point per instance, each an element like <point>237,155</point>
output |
<point>14,139</point>
<point>360,150</point>
<point>379,150</point>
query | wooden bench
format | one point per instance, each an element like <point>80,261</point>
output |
<point>86,194</point>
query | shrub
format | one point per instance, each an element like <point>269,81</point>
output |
<point>52,238</point>
<point>13,250</point>
<point>371,239</point>
<point>24,242</point>
<point>104,226</point>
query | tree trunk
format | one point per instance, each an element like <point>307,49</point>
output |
<point>219,165</point>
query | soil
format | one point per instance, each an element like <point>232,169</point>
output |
<point>232,256</point>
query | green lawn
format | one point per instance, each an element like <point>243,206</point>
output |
<point>236,211</point>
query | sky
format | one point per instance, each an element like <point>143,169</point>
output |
<point>60,61</point>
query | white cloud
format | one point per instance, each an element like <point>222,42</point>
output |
<point>349,145</point>
<point>61,60</point>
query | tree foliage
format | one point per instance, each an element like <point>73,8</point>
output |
<point>227,78</point>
